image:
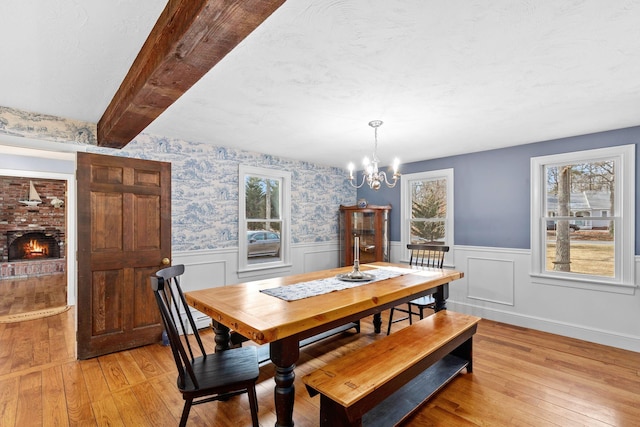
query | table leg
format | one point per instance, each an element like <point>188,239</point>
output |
<point>284,355</point>
<point>441,296</point>
<point>222,336</point>
<point>377,322</point>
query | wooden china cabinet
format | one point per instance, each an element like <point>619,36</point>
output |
<point>371,225</point>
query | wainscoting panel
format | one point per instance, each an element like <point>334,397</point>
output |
<point>490,280</point>
<point>205,275</point>
<point>203,269</point>
<point>315,260</point>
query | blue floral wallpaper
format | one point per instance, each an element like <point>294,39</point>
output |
<point>205,191</point>
<point>205,181</point>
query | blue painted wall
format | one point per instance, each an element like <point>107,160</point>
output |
<point>492,188</point>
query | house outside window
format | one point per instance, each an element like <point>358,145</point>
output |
<point>582,231</point>
<point>264,226</point>
<point>427,210</point>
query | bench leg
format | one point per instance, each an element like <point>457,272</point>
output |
<point>334,415</point>
<point>465,351</point>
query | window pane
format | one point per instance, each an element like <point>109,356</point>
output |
<point>429,198</point>
<point>262,198</point>
<point>431,232</point>
<point>584,191</point>
<point>428,211</point>
<point>589,251</point>
<point>263,241</point>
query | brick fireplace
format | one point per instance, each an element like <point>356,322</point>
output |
<point>32,237</point>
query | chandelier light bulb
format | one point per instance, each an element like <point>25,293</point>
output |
<point>351,168</point>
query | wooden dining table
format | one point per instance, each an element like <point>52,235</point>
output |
<point>247,309</point>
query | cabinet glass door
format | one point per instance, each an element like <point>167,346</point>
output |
<point>364,226</point>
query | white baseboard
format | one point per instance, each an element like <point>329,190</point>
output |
<point>590,334</point>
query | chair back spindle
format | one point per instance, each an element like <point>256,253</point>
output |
<point>427,255</point>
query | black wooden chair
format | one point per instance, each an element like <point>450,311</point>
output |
<point>207,377</point>
<point>427,256</point>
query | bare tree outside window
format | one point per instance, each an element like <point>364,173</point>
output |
<point>579,238</point>
<point>428,211</point>
<point>262,203</point>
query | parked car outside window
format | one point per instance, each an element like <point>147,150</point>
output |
<point>551,225</point>
<point>263,243</point>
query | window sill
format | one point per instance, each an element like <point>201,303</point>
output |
<point>262,269</point>
<point>592,284</point>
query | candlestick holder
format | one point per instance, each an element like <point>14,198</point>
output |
<point>355,275</point>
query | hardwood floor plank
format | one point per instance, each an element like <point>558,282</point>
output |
<point>41,348</point>
<point>29,410</point>
<point>166,388</point>
<point>54,403</point>
<point>130,410</point>
<point>436,415</point>
<point>130,368</point>
<point>21,295</point>
<point>77,396</point>
<point>21,350</point>
<point>147,362</point>
<point>113,374</point>
<point>94,378</point>
<point>61,348</point>
<point>153,406</point>
<point>106,413</point>
<point>8,401</point>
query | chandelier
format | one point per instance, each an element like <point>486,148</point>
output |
<point>371,175</point>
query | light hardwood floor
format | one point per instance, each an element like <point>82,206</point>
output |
<point>521,378</point>
<point>22,295</point>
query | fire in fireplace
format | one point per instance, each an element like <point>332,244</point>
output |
<point>33,246</point>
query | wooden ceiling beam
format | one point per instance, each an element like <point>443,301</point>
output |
<point>189,38</point>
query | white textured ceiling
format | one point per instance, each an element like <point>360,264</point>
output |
<point>446,77</point>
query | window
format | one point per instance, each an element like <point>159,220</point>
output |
<point>427,210</point>
<point>582,230</point>
<point>264,218</point>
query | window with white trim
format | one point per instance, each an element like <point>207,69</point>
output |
<point>264,212</point>
<point>582,211</point>
<point>427,210</point>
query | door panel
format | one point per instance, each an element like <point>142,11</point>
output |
<point>146,236</point>
<point>106,217</point>
<point>106,292</point>
<point>144,314</point>
<point>124,231</point>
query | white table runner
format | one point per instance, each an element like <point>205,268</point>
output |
<point>331,284</point>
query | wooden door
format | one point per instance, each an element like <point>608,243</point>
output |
<point>124,233</point>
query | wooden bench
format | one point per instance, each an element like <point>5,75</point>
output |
<point>383,383</point>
